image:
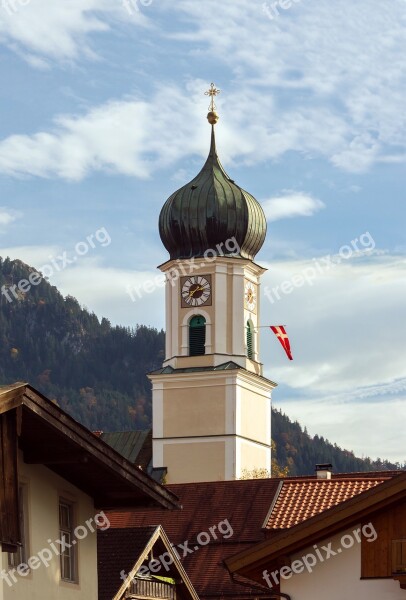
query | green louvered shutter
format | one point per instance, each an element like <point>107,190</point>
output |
<point>197,336</point>
<point>250,350</point>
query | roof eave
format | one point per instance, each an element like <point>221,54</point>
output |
<point>24,397</point>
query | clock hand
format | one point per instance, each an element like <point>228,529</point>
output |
<point>198,289</point>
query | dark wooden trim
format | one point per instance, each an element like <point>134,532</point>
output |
<point>42,457</point>
<point>96,448</point>
<point>10,533</point>
<point>11,400</point>
<point>76,441</point>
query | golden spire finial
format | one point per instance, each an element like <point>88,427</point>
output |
<point>212,116</point>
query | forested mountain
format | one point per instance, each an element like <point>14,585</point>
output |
<point>299,451</point>
<point>94,371</point>
<point>97,372</point>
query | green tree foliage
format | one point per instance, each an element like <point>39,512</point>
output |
<point>93,370</point>
<point>97,372</point>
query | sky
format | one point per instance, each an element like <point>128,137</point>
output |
<point>103,116</point>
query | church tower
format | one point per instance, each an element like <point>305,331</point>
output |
<point>211,403</point>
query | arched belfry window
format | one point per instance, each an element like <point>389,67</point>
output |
<point>197,335</point>
<point>250,340</point>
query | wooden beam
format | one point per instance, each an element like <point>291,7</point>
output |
<point>48,457</point>
<point>10,400</point>
<point>9,494</point>
<point>109,460</point>
<point>108,463</point>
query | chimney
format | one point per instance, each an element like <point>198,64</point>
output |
<point>323,471</point>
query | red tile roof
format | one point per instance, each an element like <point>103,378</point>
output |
<point>301,499</point>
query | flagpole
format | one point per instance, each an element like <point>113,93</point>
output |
<point>264,326</point>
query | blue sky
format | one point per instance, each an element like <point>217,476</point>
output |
<point>103,117</point>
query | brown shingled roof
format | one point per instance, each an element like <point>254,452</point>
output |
<point>245,505</point>
<point>116,553</point>
<point>301,499</point>
<point>122,553</point>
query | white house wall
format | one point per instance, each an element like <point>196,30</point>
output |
<point>43,490</point>
<point>339,577</point>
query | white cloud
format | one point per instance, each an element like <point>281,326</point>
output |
<point>303,82</point>
<point>347,329</point>
<point>324,95</point>
<point>291,204</point>
<point>8,215</point>
<point>373,430</point>
<point>136,137</point>
<point>34,256</point>
<point>341,333</point>
<point>105,291</point>
<point>130,137</point>
<point>39,30</point>
<point>336,94</point>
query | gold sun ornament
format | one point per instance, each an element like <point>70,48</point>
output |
<point>212,115</point>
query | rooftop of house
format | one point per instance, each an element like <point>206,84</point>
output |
<point>386,495</point>
<point>135,446</point>
<point>117,553</point>
<point>49,436</point>
<point>248,506</point>
<point>125,554</point>
<point>301,499</point>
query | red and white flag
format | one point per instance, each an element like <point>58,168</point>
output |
<point>282,336</point>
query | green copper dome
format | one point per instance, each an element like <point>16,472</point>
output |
<point>208,211</point>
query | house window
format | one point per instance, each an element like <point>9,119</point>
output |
<point>68,556</point>
<point>197,335</point>
<point>20,556</point>
<point>250,340</point>
<point>398,556</point>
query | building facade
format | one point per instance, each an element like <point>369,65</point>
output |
<point>56,480</point>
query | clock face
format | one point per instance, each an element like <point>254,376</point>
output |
<point>196,290</point>
<point>250,296</point>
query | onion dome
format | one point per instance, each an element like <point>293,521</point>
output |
<point>210,210</point>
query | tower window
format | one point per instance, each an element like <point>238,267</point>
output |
<point>197,336</point>
<point>250,340</point>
